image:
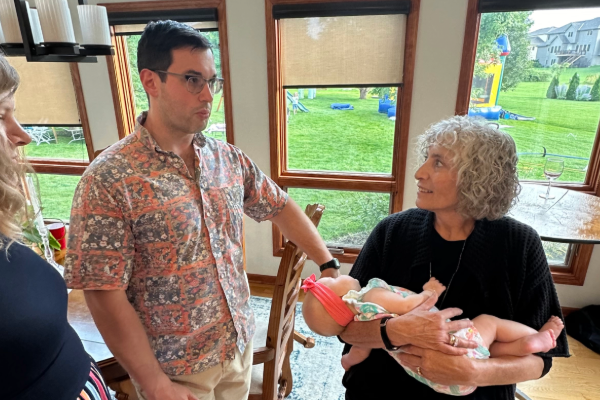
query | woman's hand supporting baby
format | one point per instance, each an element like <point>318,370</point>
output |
<point>429,330</point>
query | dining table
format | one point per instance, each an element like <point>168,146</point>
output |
<point>571,216</point>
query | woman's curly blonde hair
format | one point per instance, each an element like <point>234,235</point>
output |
<point>12,200</point>
<point>486,162</point>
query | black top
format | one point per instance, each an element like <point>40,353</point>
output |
<point>503,272</point>
<point>41,356</point>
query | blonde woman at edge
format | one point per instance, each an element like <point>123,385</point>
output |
<point>42,357</point>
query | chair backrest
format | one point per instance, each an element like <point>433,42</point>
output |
<point>283,310</point>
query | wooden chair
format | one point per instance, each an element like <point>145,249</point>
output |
<point>274,352</point>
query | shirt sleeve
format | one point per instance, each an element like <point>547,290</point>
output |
<point>539,300</point>
<point>101,243</point>
<point>263,199</point>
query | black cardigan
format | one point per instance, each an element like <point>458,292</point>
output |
<point>504,257</point>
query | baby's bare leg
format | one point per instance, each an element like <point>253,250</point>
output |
<point>504,337</point>
<point>356,355</point>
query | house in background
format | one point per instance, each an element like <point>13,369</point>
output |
<point>575,43</point>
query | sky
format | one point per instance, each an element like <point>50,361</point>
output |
<point>556,18</point>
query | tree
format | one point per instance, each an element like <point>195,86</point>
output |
<point>363,93</point>
<point>573,85</point>
<point>596,90</point>
<point>551,92</point>
<point>213,38</point>
<point>516,26</point>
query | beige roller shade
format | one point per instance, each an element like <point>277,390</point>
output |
<point>46,95</point>
<point>139,28</point>
<point>358,50</point>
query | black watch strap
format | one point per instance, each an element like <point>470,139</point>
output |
<point>333,263</point>
<point>384,336</point>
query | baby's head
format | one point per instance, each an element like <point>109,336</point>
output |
<point>318,308</point>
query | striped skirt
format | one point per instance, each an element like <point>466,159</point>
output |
<point>95,388</point>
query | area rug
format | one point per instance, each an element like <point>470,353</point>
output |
<point>318,371</point>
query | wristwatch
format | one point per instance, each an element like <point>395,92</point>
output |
<point>333,263</point>
<point>384,336</point>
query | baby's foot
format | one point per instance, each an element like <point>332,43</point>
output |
<point>540,342</point>
<point>555,324</point>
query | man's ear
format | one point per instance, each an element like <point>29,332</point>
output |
<point>151,82</point>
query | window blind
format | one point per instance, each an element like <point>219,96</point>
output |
<point>365,50</point>
<point>46,95</point>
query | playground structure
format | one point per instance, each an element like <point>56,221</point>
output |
<point>301,107</point>
<point>485,104</point>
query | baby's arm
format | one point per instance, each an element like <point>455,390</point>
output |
<point>396,303</point>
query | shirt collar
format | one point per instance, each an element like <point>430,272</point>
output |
<point>146,138</point>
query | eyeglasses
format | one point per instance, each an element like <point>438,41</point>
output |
<point>195,83</point>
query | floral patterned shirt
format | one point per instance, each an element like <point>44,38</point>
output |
<point>141,222</point>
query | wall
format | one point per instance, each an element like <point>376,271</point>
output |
<point>434,97</point>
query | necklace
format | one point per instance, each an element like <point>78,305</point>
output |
<point>452,278</point>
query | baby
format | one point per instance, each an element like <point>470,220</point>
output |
<point>332,303</point>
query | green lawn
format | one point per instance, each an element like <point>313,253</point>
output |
<point>63,149</point>
<point>361,140</point>
<point>563,127</point>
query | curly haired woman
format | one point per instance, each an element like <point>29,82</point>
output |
<point>489,263</point>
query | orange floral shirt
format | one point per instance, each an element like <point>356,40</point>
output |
<point>141,222</point>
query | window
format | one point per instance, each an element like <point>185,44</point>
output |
<point>127,22</point>
<point>56,192</point>
<point>535,110</point>
<point>338,119</point>
<point>51,108</point>
<point>588,47</point>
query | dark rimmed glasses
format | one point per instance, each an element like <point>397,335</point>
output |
<point>195,83</point>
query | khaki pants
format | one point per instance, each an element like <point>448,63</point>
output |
<point>229,380</point>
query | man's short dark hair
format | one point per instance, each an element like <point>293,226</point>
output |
<point>160,38</point>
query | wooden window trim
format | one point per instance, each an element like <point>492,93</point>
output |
<point>118,66</point>
<point>66,166</point>
<point>384,183</point>
<point>56,166</point>
<point>575,272</point>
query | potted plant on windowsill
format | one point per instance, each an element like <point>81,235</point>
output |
<point>34,239</point>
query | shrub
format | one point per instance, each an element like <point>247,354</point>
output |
<point>573,85</point>
<point>591,79</point>
<point>595,93</point>
<point>536,75</point>
<point>561,92</point>
<point>583,93</point>
<point>551,92</point>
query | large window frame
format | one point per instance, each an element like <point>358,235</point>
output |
<point>574,272</point>
<point>62,166</point>
<point>364,182</point>
<point>118,65</point>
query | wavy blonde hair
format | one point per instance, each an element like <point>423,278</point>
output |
<point>12,200</point>
<point>486,162</point>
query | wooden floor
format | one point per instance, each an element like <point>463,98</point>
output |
<point>574,378</point>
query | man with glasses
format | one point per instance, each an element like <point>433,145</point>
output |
<point>156,233</point>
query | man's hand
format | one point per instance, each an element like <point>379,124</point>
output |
<point>165,389</point>
<point>330,273</point>
<point>429,330</point>
<point>439,367</point>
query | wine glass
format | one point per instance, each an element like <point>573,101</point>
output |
<point>553,168</point>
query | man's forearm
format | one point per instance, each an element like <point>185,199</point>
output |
<point>295,226</point>
<point>363,334</point>
<point>124,335</point>
<point>507,370</point>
